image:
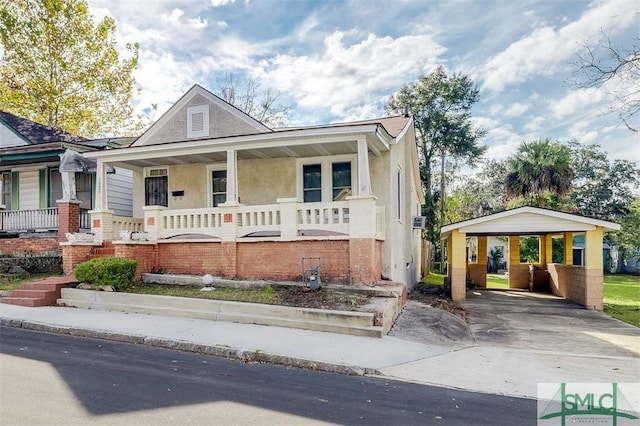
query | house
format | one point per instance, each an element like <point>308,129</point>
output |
<point>217,192</point>
<point>32,185</point>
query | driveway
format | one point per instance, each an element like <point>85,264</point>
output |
<point>544,322</point>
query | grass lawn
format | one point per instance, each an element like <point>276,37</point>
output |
<point>622,297</point>
<point>434,279</point>
<point>497,281</point>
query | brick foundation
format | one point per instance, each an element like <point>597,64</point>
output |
<point>244,260</point>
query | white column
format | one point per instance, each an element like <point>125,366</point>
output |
<point>364,177</point>
<point>68,186</point>
<point>232,177</point>
<point>101,187</point>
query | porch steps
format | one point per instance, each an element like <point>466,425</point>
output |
<point>344,322</point>
<point>38,293</point>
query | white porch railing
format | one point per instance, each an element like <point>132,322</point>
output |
<point>289,219</point>
<point>123,223</point>
<point>37,219</point>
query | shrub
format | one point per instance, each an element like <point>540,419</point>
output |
<point>115,271</point>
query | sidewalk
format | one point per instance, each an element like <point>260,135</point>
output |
<point>480,368</point>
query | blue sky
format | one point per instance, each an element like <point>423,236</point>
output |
<point>340,60</point>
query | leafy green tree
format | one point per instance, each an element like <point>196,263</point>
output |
<point>602,189</point>
<point>628,237</point>
<point>538,168</point>
<point>62,70</point>
<point>441,108</point>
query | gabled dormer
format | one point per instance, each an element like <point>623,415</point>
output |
<point>199,114</point>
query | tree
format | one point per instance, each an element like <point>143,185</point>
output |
<point>247,97</point>
<point>441,108</point>
<point>629,234</point>
<point>602,189</point>
<point>603,62</point>
<point>538,168</point>
<point>62,70</point>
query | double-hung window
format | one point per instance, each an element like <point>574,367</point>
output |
<point>327,179</point>
<point>218,187</point>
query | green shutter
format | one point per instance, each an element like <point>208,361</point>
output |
<point>44,190</point>
<point>15,187</point>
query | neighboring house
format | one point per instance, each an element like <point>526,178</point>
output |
<point>217,192</point>
<point>31,184</point>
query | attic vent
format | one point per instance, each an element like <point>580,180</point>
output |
<point>198,121</point>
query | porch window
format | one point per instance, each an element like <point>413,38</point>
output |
<point>219,186</point>
<point>6,190</point>
<point>326,179</point>
<point>341,178</point>
<point>312,182</point>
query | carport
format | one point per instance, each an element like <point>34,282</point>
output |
<point>582,284</point>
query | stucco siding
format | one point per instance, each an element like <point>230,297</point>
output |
<point>221,123</point>
<point>264,181</point>
<point>192,179</point>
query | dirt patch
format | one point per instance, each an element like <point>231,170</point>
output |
<point>433,296</point>
<point>321,299</point>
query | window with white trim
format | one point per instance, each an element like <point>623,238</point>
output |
<point>326,178</point>
<point>198,121</point>
<point>217,184</point>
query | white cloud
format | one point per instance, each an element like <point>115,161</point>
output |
<point>535,124</point>
<point>546,50</point>
<point>516,109</point>
<point>174,17</point>
<point>217,3</point>
<point>574,101</point>
<point>345,75</point>
<point>222,24</point>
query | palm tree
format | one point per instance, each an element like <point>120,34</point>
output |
<point>538,167</point>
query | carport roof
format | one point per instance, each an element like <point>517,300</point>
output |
<point>527,221</point>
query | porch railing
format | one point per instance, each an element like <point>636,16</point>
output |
<point>25,220</point>
<point>37,220</point>
<point>289,218</point>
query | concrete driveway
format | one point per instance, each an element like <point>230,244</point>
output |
<point>544,322</point>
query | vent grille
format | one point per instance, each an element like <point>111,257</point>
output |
<point>197,122</point>
<point>157,172</point>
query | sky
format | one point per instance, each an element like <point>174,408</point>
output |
<point>336,61</point>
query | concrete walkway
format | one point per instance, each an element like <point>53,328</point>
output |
<point>508,367</point>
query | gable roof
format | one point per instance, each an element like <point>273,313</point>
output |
<point>35,133</point>
<point>527,220</point>
<point>194,91</point>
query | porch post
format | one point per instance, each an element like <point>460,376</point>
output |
<point>232,177</point>
<point>548,240</point>
<point>364,177</point>
<point>101,216</point>
<point>481,275</point>
<point>568,248</point>
<point>288,218</point>
<point>68,207</point>
<point>514,264</point>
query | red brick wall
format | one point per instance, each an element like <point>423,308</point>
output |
<point>189,258</point>
<point>33,245</point>
<point>247,260</point>
<point>145,254</point>
<point>282,260</point>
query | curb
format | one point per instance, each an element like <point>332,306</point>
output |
<point>186,346</point>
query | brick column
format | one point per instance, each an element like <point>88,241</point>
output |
<point>594,274</point>
<point>363,261</point>
<point>68,218</point>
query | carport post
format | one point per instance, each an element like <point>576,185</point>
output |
<point>457,242</point>
<point>568,248</point>
<point>594,279</point>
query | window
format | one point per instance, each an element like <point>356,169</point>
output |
<point>84,190</point>
<point>6,190</point>
<point>55,187</point>
<point>198,121</point>
<point>341,180</point>
<point>327,179</point>
<point>219,187</point>
<point>312,183</point>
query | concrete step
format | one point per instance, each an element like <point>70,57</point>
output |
<point>355,323</point>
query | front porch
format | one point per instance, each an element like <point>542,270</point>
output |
<point>38,220</point>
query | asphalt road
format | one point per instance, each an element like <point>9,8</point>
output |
<point>58,379</point>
